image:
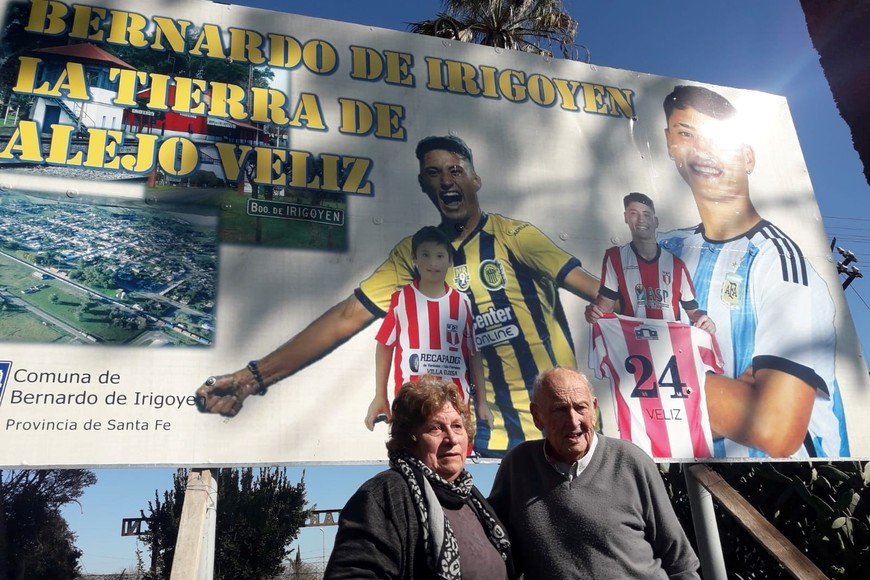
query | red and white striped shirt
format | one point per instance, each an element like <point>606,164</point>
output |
<point>430,335</point>
<point>657,370</point>
<point>647,289</point>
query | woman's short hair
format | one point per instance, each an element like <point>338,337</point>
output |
<point>416,403</point>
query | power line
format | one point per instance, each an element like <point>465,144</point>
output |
<point>861,298</point>
<point>830,217</point>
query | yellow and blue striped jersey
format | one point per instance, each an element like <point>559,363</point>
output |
<point>511,272</point>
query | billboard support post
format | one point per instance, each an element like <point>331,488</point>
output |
<point>194,548</point>
<point>706,531</point>
<point>777,545</point>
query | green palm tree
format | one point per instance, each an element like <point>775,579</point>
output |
<point>536,26</point>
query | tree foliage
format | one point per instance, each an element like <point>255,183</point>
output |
<point>822,508</point>
<point>259,514</point>
<point>536,26</point>
<point>96,276</point>
<point>194,66</point>
<point>35,541</point>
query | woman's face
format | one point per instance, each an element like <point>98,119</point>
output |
<point>443,442</point>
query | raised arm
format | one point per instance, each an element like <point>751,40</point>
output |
<point>224,394</point>
<point>581,283</point>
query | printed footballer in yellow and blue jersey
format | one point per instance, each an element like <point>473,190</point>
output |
<point>511,272</point>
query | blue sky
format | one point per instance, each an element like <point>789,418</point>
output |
<point>742,43</point>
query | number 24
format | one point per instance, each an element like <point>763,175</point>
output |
<point>646,388</point>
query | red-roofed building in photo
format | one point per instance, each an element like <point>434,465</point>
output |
<point>203,130</point>
<point>98,110</point>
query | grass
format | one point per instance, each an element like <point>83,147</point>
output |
<point>16,277</point>
<point>237,227</point>
<point>20,326</point>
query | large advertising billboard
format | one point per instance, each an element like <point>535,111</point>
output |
<point>208,197</point>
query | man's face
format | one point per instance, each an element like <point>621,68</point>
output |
<point>564,411</point>
<point>451,184</point>
<point>641,220</point>
<point>432,261</point>
<point>709,154</point>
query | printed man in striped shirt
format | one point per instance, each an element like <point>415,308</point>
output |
<point>641,279</point>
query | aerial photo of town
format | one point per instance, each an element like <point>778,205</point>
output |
<point>98,271</point>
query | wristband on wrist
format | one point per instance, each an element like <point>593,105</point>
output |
<point>258,378</point>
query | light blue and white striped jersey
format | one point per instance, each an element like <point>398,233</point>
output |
<point>771,310</point>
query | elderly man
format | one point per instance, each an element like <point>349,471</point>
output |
<point>578,504</point>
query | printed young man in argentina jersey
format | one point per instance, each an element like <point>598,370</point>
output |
<point>510,270</point>
<point>774,314</point>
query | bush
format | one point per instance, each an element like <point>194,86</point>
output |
<point>205,179</point>
<point>823,508</point>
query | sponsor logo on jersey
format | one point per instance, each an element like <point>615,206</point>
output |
<point>494,327</point>
<point>461,279</point>
<point>639,294</point>
<point>646,333</point>
<point>414,363</point>
<point>492,275</point>
<point>497,335</point>
<point>492,317</point>
<point>428,357</point>
<point>651,297</point>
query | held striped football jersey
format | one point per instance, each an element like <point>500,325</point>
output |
<point>657,371</point>
<point>772,310</point>
<point>429,335</point>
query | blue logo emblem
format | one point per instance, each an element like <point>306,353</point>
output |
<point>5,367</point>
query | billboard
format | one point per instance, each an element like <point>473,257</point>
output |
<point>185,191</point>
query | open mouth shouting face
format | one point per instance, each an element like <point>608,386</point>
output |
<point>451,183</point>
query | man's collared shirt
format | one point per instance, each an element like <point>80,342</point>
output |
<point>574,469</point>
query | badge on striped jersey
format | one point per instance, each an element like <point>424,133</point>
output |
<point>492,275</point>
<point>461,279</point>
<point>731,290</point>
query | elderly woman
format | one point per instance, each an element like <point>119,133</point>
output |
<point>423,518</point>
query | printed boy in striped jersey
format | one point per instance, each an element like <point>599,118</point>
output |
<point>428,329</point>
<point>510,271</point>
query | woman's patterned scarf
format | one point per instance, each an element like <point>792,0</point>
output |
<point>428,492</point>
